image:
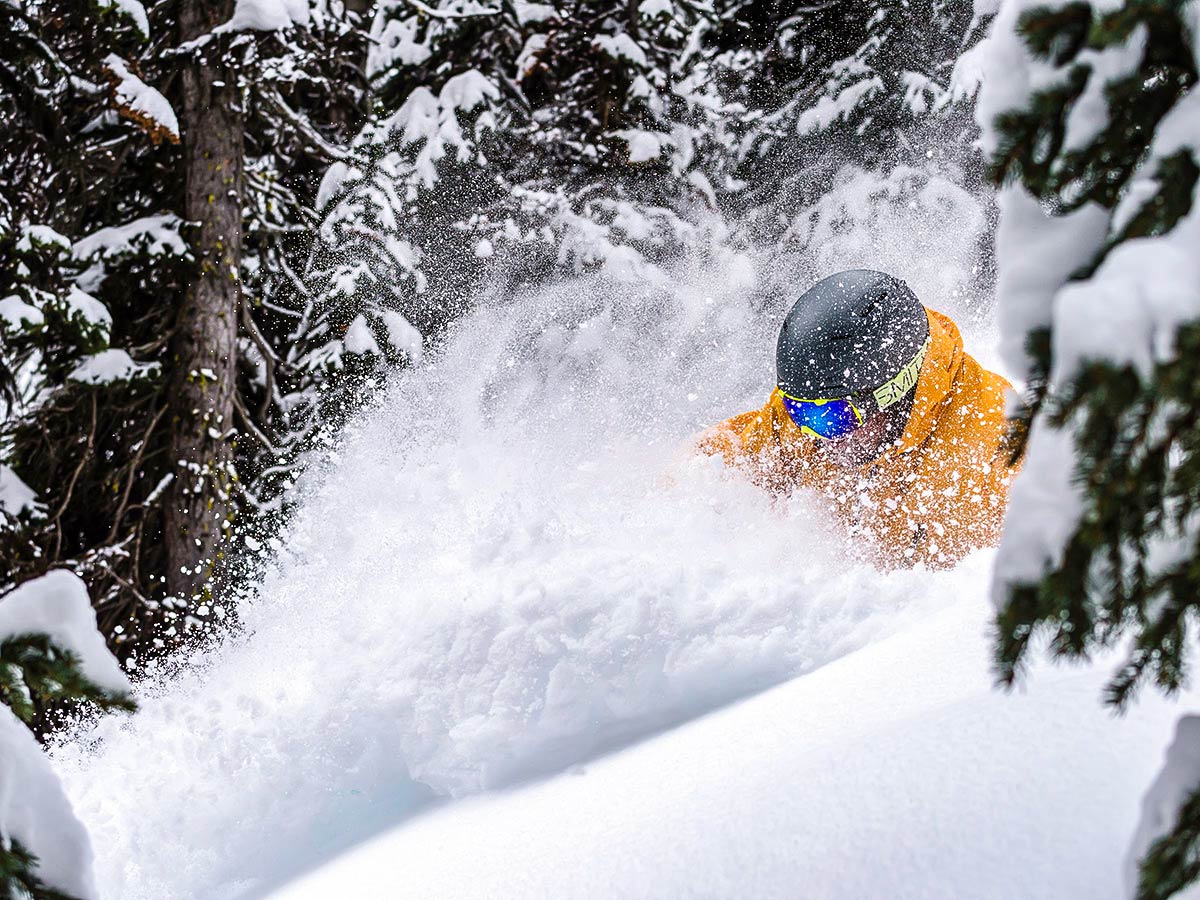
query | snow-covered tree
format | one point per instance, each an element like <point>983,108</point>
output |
<point>852,82</point>
<point>518,140</point>
<point>299,72</point>
<point>50,655</point>
<point>146,309</point>
<point>1092,109</point>
<point>88,149</point>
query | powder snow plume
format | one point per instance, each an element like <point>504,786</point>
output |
<point>511,563</point>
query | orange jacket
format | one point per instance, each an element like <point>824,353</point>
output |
<point>933,498</point>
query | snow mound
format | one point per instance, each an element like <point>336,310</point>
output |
<point>897,771</point>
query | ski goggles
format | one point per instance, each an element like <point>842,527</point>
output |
<point>835,418</point>
<point>824,419</point>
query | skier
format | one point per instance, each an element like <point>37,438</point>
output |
<point>878,408</point>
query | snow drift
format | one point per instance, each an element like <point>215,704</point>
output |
<point>894,772</point>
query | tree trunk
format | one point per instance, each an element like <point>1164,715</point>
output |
<point>204,349</point>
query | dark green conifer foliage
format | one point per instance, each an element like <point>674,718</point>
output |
<point>17,879</point>
<point>1137,437</point>
<point>35,673</point>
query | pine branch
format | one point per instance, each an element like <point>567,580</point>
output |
<point>18,875</point>
<point>1173,861</point>
<point>34,670</point>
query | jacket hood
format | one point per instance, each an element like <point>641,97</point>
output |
<point>938,372</point>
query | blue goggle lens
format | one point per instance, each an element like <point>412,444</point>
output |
<point>829,419</point>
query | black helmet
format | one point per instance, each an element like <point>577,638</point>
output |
<point>851,334</point>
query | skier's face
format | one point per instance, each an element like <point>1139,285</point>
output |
<point>868,442</point>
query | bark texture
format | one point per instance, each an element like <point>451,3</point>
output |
<point>204,343</point>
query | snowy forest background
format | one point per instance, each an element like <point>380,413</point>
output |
<point>362,173</point>
<point>224,226</point>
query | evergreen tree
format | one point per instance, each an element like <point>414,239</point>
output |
<point>303,91</point>
<point>109,353</point>
<point>839,87</point>
<point>1093,110</point>
<point>89,256</point>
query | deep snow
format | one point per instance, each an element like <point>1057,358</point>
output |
<point>512,565</point>
<point>896,771</point>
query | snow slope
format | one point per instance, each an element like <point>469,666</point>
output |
<point>512,565</point>
<point>896,771</point>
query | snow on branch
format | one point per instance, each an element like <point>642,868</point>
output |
<point>109,366</point>
<point>621,47</point>
<point>267,15</point>
<point>152,235</point>
<point>57,605</point>
<point>16,497</point>
<point>839,108</point>
<point>131,10</point>
<point>140,103</point>
<point>432,122</point>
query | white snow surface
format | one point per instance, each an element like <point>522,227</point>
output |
<point>512,565</point>
<point>897,771</point>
